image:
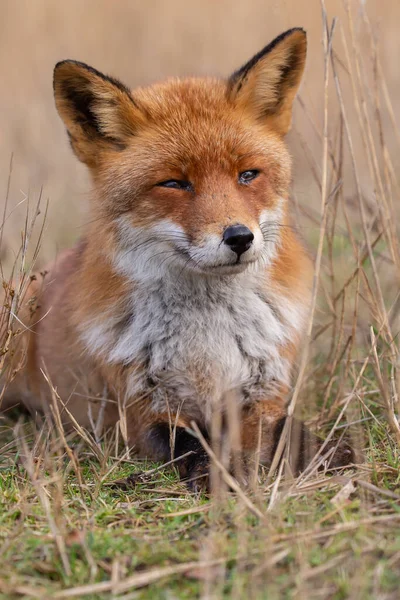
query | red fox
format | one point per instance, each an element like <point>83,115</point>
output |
<point>189,285</point>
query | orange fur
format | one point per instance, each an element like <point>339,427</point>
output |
<point>204,133</point>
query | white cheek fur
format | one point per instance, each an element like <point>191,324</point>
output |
<point>146,254</point>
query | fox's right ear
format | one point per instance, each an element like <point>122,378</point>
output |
<point>98,111</point>
<point>267,85</point>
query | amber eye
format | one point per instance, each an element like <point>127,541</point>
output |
<point>176,184</point>
<point>248,176</point>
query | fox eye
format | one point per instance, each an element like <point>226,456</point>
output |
<point>176,184</point>
<point>247,176</point>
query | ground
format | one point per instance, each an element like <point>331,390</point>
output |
<point>75,527</point>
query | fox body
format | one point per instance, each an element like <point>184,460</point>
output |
<point>189,289</point>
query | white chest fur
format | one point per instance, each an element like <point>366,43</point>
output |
<point>198,339</point>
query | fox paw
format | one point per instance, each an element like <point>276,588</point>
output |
<point>195,471</point>
<point>342,456</point>
<point>191,459</point>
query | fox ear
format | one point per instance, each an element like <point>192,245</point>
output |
<point>98,111</point>
<point>267,85</point>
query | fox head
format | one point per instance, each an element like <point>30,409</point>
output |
<point>190,174</point>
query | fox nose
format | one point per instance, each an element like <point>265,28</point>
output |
<point>239,238</point>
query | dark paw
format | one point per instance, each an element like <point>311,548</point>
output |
<point>343,454</point>
<point>192,460</point>
<point>194,465</point>
<point>195,471</point>
<point>304,446</point>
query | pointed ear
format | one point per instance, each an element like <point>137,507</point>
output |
<point>98,111</point>
<point>267,85</point>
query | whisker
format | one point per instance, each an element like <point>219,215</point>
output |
<point>184,267</point>
<point>134,248</point>
<point>168,252</point>
<point>275,224</point>
<point>147,242</point>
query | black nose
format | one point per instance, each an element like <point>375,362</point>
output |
<point>239,238</point>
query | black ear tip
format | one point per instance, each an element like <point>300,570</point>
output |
<point>303,32</point>
<point>296,35</point>
<point>298,29</point>
<point>56,70</point>
<point>60,66</point>
<point>75,68</point>
<point>72,63</point>
<point>61,63</point>
<point>68,67</point>
<point>290,32</point>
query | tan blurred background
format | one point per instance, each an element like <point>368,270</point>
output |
<point>140,42</point>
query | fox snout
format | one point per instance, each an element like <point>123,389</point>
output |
<point>232,249</point>
<point>238,238</point>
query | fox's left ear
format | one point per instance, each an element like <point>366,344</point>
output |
<point>267,85</point>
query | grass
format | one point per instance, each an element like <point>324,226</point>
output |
<point>81,519</point>
<point>333,536</point>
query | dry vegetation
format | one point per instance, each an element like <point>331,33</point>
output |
<point>81,518</point>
